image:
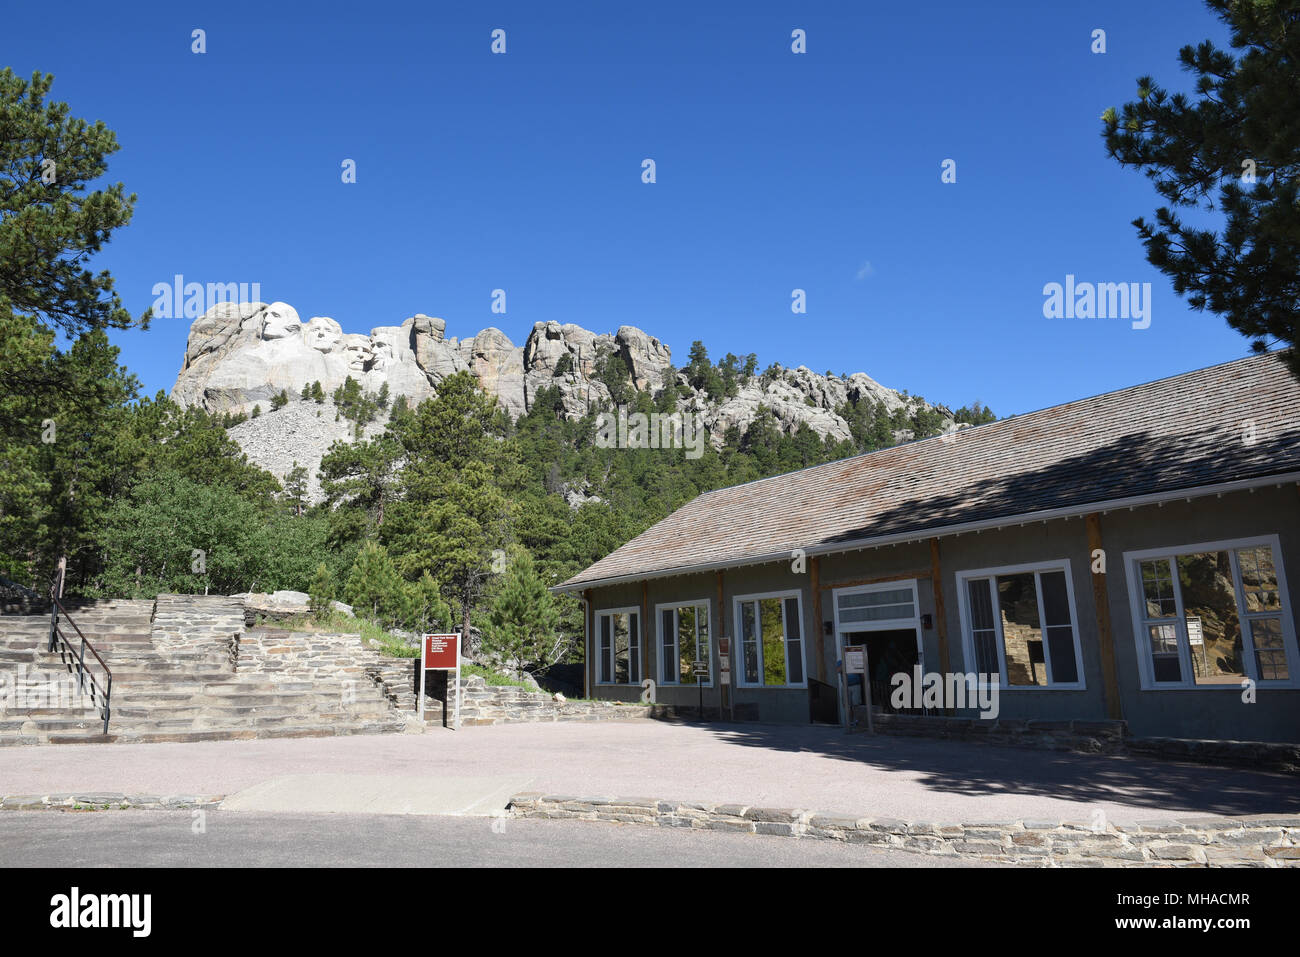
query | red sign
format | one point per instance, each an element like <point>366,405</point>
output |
<point>441,651</point>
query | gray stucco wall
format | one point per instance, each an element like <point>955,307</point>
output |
<point>1195,713</point>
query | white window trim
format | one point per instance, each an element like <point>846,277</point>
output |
<point>968,636</point>
<point>659,644</point>
<point>1134,580</point>
<point>738,643</point>
<point>595,640</point>
<point>879,624</point>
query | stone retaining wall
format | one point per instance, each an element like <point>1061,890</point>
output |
<point>1088,737</point>
<point>1250,841</point>
<point>197,622</point>
<point>298,655</point>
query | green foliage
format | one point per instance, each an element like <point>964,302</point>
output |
<point>317,392</point>
<point>1233,146</point>
<point>612,370</point>
<point>49,223</point>
<point>564,365</point>
<point>974,414</point>
<point>523,622</point>
<point>279,400</point>
<point>357,405</point>
<point>374,588</point>
<point>321,590</point>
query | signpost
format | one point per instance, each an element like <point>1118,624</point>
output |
<point>724,676</point>
<point>855,663</point>
<point>440,653</point>
<point>700,669</point>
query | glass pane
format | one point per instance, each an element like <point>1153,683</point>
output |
<point>1060,630</point>
<point>634,650</point>
<point>620,648</point>
<point>794,645</point>
<point>686,644</point>
<point>772,631</point>
<point>1259,579</point>
<point>1164,653</point>
<point>1158,589</point>
<point>749,641</point>
<point>1270,652</point>
<point>605,646</point>
<point>877,605</point>
<point>1022,633</point>
<point>982,628</point>
<point>702,629</point>
<point>1213,630</point>
<point>668,661</point>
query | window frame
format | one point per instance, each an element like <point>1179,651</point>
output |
<point>969,657</point>
<point>739,640</point>
<point>640,636</point>
<point>672,606</point>
<point>1146,672</point>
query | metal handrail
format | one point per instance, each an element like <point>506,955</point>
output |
<point>57,635</point>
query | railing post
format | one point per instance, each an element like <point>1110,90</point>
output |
<point>54,619</point>
<point>81,666</point>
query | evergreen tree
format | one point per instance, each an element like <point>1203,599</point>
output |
<point>523,622</point>
<point>374,587</point>
<point>321,591</point>
<point>1233,146</point>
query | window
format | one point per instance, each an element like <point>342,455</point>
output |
<point>619,654</point>
<point>873,604</point>
<point>1211,615</point>
<point>771,640</point>
<point>1019,624</point>
<point>683,640</point>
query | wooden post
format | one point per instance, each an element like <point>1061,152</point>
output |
<point>1101,601</point>
<point>819,639</point>
<point>724,693</point>
<point>940,618</point>
<point>589,618</point>
<point>645,630</point>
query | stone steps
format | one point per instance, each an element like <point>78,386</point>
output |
<point>173,680</point>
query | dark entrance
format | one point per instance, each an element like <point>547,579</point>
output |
<point>888,652</point>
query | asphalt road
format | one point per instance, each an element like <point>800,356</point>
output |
<point>256,839</point>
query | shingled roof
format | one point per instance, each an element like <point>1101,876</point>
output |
<point>1228,423</point>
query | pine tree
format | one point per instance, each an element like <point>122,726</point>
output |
<point>523,622</point>
<point>374,586</point>
<point>321,591</point>
<point>1233,146</point>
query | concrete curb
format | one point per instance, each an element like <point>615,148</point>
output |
<point>106,801</point>
<point>1248,841</point>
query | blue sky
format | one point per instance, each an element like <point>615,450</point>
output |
<point>775,171</point>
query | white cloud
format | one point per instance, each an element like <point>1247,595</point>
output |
<point>866,269</point>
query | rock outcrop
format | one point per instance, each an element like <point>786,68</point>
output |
<point>242,355</point>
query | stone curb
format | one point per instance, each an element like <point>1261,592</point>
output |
<point>102,801</point>
<point>1247,841</point>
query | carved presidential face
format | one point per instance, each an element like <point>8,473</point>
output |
<point>323,334</point>
<point>359,351</point>
<point>279,320</point>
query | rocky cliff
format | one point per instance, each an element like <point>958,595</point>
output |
<point>241,355</point>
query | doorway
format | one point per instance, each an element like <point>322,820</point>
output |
<point>884,618</point>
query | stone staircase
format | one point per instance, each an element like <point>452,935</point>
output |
<point>165,689</point>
